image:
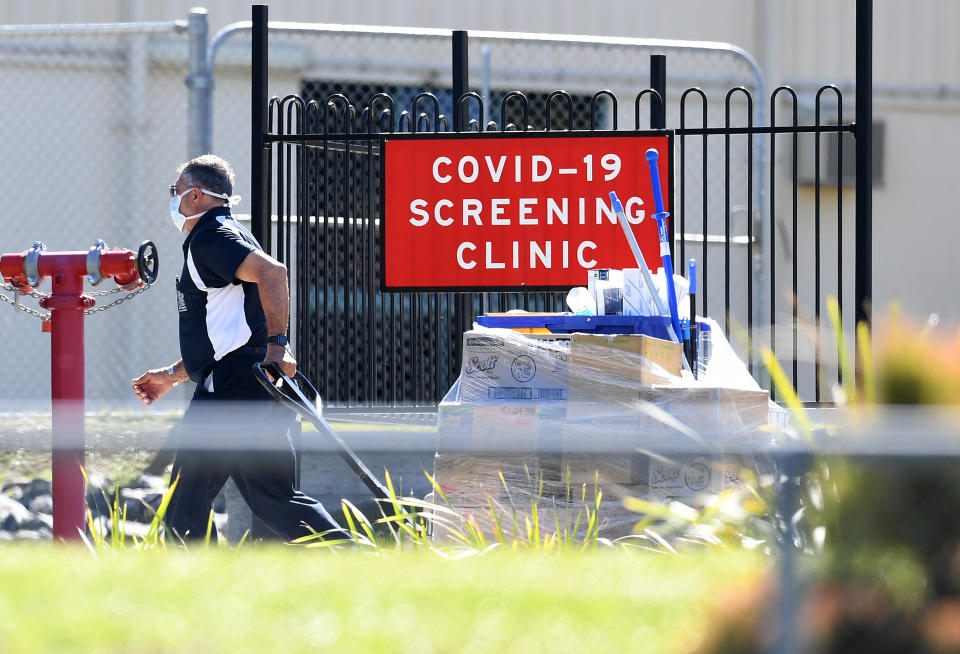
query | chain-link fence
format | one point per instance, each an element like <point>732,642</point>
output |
<point>99,115</point>
<point>316,61</point>
<point>93,125</point>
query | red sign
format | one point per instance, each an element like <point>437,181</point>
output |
<point>515,211</point>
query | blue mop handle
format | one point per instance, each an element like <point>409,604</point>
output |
<point>661,216</point>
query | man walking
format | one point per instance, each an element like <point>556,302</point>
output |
<point>234,307</point>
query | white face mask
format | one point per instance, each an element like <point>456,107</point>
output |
<point>179,219</point>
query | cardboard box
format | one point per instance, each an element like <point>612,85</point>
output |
<point>474,487</point>
<point>657,417</point>
<point>715,414</point>
<point>510,486</point>
<point>683,476</point>
<point>587,469</point>
<point>514,368</point>
<point>546,368</point>
<point>617,357</point>
<point>499,428</point>
<point>473,479</point>
<point>693,479</point>
<point>613,367</point>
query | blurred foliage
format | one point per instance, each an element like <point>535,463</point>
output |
<point>917,364</point>
<point>884,530</point>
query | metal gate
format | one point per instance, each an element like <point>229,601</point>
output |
<point>317,165</point>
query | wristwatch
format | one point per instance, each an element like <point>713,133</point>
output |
<point>171,372</point>
<point>279,339</point>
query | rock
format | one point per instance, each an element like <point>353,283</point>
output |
<point>15,482</point>
<point>39,524</point>
<point>141,504</point>
<point>47,520</point>
<point>101,526</point>
<point>12,513</point>
<point>34,488</point>
<point>15,492</point>
<point>41,504</point>
<point>153,500</point>
<point>133,506</point>
<point>99,495</point>
<point>131,529</point>
<point>151,482</point>
<point>40,487</point>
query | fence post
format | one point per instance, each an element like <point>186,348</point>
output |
<point>258,114</point>
<point>863,284</point>
<point>485,86</point>
<point>461,84</point>
<point>658,120</point>
<point>658,82</point>
<point>461,78</point>
<point>200,85</point>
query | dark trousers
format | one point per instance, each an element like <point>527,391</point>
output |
<point>236,430</point>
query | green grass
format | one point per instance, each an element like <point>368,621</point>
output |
<point>285,599</point>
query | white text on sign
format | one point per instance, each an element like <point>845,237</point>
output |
<point>540,169</point>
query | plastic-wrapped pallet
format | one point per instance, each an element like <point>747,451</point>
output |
<point>551,419</point>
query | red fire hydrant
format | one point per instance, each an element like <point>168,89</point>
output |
<point>25,271</point>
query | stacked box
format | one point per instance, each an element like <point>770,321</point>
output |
<point>719,414</point>
<point>548,420</point>
<point>499,453</point>
<point>496,428</point>
<point>506,367</point>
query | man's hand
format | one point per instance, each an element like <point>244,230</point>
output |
<point>279,355</point>
<point>152,385</point>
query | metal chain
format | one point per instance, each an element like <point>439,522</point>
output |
<point>120,300</point>
<point>27,310</point>
<point>15,303</point>
<point>16,289</point>
<point>118,289</point>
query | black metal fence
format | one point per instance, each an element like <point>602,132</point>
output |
<point>318,167</point>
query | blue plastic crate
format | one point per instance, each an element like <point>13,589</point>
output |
<point>655,326</point>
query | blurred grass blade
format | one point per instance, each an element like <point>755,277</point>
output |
<point>843,357</point>
<point>646,507</point>
<point>86,541</point>
<point>786,390</point>
<point>865,353</point>
<point>661,540</point>
<point>93,530</point>
<point>351,525</point>
<point>437,489</point>
<point>497,524</point>
<point>153,532</point>
<point>362,519</point>
<point>206,538</point>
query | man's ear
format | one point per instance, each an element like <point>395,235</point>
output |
<point>196,196</point>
